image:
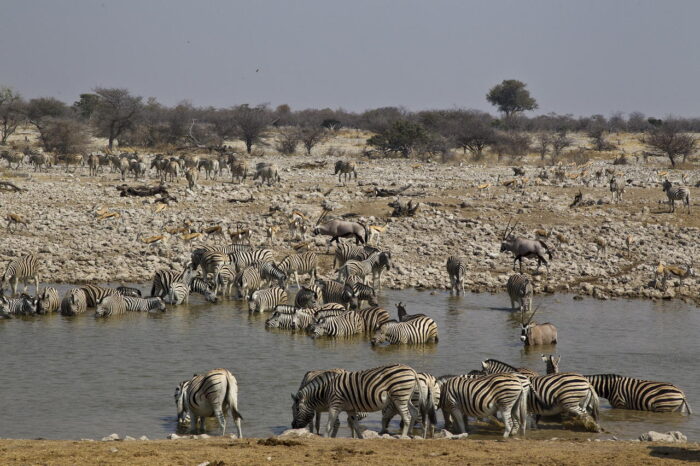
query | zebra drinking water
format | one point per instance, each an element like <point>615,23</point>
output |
<point>267,299</point>
<point>456,269</point>
<point>642,395</point>
<point>347,324</point>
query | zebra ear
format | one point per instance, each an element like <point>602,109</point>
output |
<point>295,397</point>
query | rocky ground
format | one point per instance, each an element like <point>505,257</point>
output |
<point>464,208</point>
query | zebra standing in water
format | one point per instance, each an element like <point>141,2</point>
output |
<point>642,395</point>
<point>118,304</point>
<point>415,331</point>
<point>552,364</point>
<point>25,305</point>
<point>347,251</point>
<point>308,297</point>
<point>48,301</point>
<point>211,263</point>
<point>337,292</point>
<point>486,396</point>
<point>164,278</point>
<point>270,272</point>
<point>676,193</point>
<point>374,265</point>
<point>243,259</point>
<point>207,395</point>
<point>304,263</point>
<point>456,269</point>
<point>566,392</point>
<point>249,281</point>
<point>426,398</point>
<point>74,302</point>
<point>493,366</point>
<point>374,318</point>
<point>345,168</point>
<point>23,268</point>
<point>312,399</point>
<point>94,294</point>
<point>520,290</point>
<point>267,299</point>
<point>203,287</point>
<point>346,324</point>
<point>178,293</point>
<point>227,279</point>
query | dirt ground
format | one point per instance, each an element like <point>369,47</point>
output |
<point>347,451</point>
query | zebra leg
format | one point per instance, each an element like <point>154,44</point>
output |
<point>387,414</point>
<point>354,425</point>
<point>15,282</point>
<point>222,420</point>
<point>458,421</point>
<point>508,421</point>
<point>317,422</point>
<point>332,416</point>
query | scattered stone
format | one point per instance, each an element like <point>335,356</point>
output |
<point>205,463</point>
<point>174,437</point>
<point>671,437</point>
<point>111,438</point>
<point>301,433</point>
<point>368,434</point>
<point>459,436</point>
<point>128,438</point>
<point>113,450</point>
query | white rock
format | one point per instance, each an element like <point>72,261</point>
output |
<point>111,438</point>
<point>303,433</point>
<point>368,434</point>
<point>128,438</point>
<point>672,436</point>
<point>174,437</point>
<point>143,437</point>
<point>459,436</point>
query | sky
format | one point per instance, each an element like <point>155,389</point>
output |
<point>579,57</point>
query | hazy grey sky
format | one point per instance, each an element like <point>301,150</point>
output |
<point>576,57</point>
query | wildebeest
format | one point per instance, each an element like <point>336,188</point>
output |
<point>341,229</point>
<point>533,334</point>
<point>522,247</point>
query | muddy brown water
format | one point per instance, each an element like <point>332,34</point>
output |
<point>76,377</point>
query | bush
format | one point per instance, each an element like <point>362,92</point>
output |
<point>64,136</point>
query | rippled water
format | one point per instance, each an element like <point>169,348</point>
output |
<point>83,377</point>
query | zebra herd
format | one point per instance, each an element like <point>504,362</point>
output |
<point>518,396</point>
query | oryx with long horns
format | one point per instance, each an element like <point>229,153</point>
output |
<point>533,334</point>
<point>522,247</point>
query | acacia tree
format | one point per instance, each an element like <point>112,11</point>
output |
<point>116,112</point>
<point>474,132</point>
<point>11,113</point>
<point>668,139</point>
<point>249,124</point>
<point>65,136</point>
<point>86,106</point>
<point>511,98</point>
<point>402,136</point>
<point>41,111</point>
<point>560,141</point>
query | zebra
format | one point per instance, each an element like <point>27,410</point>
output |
<point>129,291</point>
<point>164,278</point>
<point>374,318</point>
<point>456,269</point>
<point>552,364</point>
<point>676,193</point>
<point>267,299</point>
<point>337,292</point>
<point>118,304</point>
<point>617,188</point>
<point>243,259</point>
<point>22,268</point>
<point>74,302</point>
<point>485,396</point>
<point>345,168</point>
<point>365,293</point>
<point>239,170</point>
<point>493,366</point>
<point>228,249</point>
<point>211,263</point>
<point>207,395</point>
<point>203,287</point>
<point>24,305</point>
<point>426,398</point>
<point>284,317</point>
<point>308,296</point>
<point>270,272</point>
<point>248,281</point>
<point>347,251</point>
<point>172,170</point>
<point>304,263</point>
<point>94,294</point>
<point>227,279</point>
<point>642,395</point>
<point>415,331</point>
<point>178,293</point>
<point>347,324</point>
<point>211,168</point>
<point>373,265</point>
<point>48,301</point>
<point>566,392</point>
<point>371,390</point>
<point>520,290</point>
<point>267,172</point>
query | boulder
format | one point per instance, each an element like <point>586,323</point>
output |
<point>111,438</point>
<point>300,433</point>
<point>671,436</point>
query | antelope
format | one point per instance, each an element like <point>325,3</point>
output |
<point>522,247</point>
<point>214,230</point>
<point>601,246</point>
<point>680,272</point>
<point>541,233</point>
<point>374,233</point>
<point>159,207</point>
<point>15,219</point>
<point>154,239</point>
<point>106,215</point>
<point>629,241</point>
<point>241,234</point>
<point>270,232</point>
<point>533,334</point>
<point>190,237</point>
<point>561,238</point>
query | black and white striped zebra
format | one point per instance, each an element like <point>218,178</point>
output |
<point>178,293</point>
<point>676,193</point>
<point>203,287</point>
<point>426,398</point>
<point>94,294</point>
<point>243,259</point>
<point>343,168</point>
<point>227,279</point>
<point>346,324</point>
<point>456,269</point>
<point>310,296</point>
<point>23,269</point>
<point>493,366</point>
<point>118,304</point>
<point>371,390</point>
<point>347,251</point>
<point>209,395</point>
<point>211,262</point>
<point>552,364</point>
<point>374,318</point>
<point>485,396</point>
<point>561,393</point>
<point>520,290</point>
<point>373,266</point>
<point>164,278</point>
<point>642,395</point>
<point>416,331</point>
<point>284,318</point>
<point>228,249</point>
<point>48,301</point>
<point>337,292</point>
<point>249,281</point>
<point>267,299</point>
<point>272,273</point>
<point>300,264</point>
<point>25,305</point>
<point>364,293</point>
<point>74,302</point>
<point>313,398</point>
<point>129,291</point>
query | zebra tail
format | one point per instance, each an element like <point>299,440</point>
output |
<point>686,405</point>
<point>231,396</point>
<point>595,405</point>
<point>432,409</point>
<point>544,245</point>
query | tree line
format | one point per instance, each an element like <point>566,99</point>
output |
<point>118,115</point>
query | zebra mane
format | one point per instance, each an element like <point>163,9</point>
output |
<point>497,362</point>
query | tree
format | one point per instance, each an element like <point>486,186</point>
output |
<point>86,106</point>
<point>511,98</point>
<point>287,140</point>
<point>65,136</point>
<point>12,113</point>
<point>116,112</point>
<point>560,141</point>
<point>402,136</point>
<point>250,124</point>
<point>542,142</point>
<point>474,132</point>
<point>667,139</point>
<point>598,131</point>
<point>511,143</point>
<point>42,110</point>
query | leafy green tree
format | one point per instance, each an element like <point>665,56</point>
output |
<point>402,136</point>
<point>511,97</point>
